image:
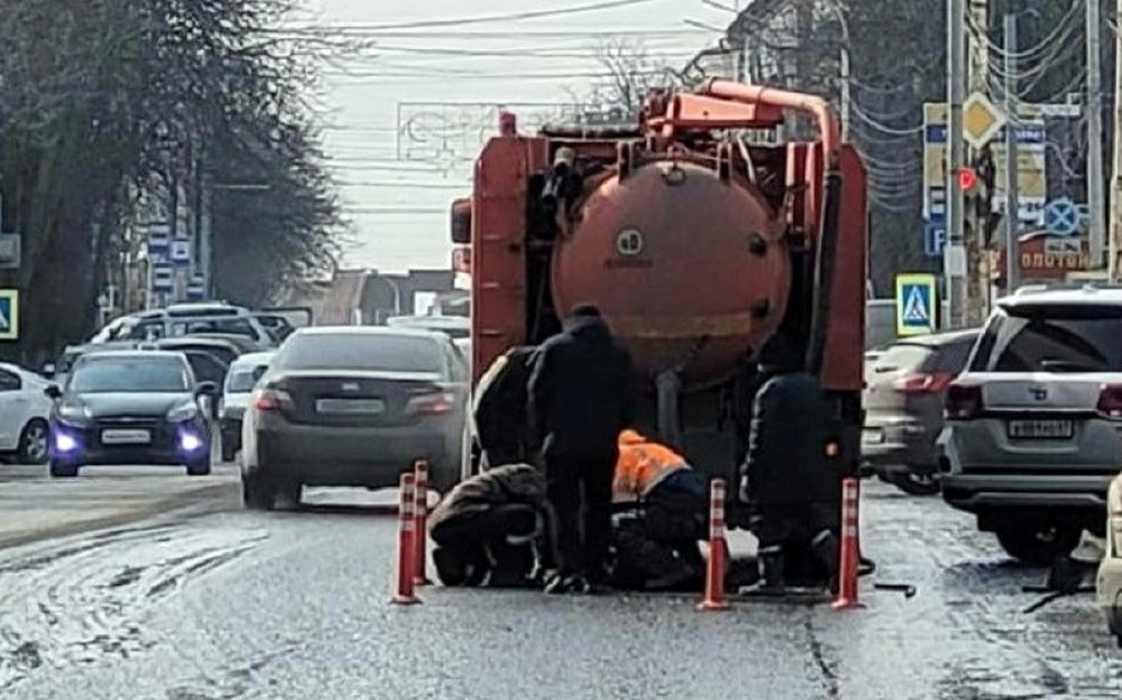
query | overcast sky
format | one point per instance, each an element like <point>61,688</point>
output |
<point>401,162</point>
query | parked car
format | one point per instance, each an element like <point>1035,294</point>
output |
<point>24,415</point>
<point>1034,425</point>
<point>904,392</point>
<point>186,319</point>
<point>129,407</point>
<point>353,406</point>
<point>222,349</point>
<point>243,376</point>
<point>455,326</point>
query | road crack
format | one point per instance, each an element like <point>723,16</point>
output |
<point>818,653</point>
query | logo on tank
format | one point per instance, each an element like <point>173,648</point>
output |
<point>629,245</point>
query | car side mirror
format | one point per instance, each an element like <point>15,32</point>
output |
<point>48,369</point>
<point>53,392</point>
<point>206,389</point>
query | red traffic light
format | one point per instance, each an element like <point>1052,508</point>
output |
<point>967,179</point>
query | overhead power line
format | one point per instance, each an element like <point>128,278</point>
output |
<point>506,17</point>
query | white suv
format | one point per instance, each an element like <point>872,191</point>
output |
<point>1033,433</point>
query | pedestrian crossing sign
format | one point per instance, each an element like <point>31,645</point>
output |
<point>9,314</point>
<point>916,303</point>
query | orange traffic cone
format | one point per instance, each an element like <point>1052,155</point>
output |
<point>406,545</point>
<point>718,550</point>
<point>420,517</point>
<point>849,559</point>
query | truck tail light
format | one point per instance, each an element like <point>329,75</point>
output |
<point>272,400</point>
<point>963,401</point>
<point>431,404</point>
<point>923,383</point>
<point>1110,400</point>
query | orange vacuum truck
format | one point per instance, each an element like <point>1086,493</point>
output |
<point>697,245</point>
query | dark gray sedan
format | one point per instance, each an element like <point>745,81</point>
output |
<point>354,406</point>
<point>904,390</point>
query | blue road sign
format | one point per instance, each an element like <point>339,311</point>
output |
<point>916,300</point>
<point>196,292</point>
<point>9,314</point>
<point>163,278</point>
<point>1061,217</point>
<point>934,238</point>
<point>181,253</point>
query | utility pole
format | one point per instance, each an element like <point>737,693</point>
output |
<point>1095,203</point>
<point>206,233</point>
<point>976,287</point>
<point>1012,203</point>
<point>1116,171</point>
<point>954,254</point>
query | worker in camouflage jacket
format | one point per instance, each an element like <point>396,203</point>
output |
<point>494,529</point>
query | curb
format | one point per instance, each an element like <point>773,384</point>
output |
<point>164,506</point>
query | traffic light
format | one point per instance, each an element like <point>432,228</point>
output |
<point>967,180</point>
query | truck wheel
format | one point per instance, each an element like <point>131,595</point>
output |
<point>1036,545</point>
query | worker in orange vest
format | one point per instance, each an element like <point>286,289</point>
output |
<point>660,504</point>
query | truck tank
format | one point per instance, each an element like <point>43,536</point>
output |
<point>700,236</point>
<point>689,269</point>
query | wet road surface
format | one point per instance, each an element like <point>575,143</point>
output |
<point>234,604</point>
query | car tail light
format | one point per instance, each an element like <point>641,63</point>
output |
<point>431,404</point>
<point>1110,400</point>
<point>923,383</point>
<point>272,400</point>
<point>963,401</point>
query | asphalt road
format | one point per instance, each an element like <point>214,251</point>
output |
<point>224,603</point>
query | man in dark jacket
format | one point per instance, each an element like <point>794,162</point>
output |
<point>494,529</point>
<point>580,398</point>
<point>499,409</point>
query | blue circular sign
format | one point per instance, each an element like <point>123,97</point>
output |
<point>1061,217</point>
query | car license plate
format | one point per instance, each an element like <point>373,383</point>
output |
<point>125,437</point>
<point>1041,429</point>
<point>872,436</point>
<point>351,406</point>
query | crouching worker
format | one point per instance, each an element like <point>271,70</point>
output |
<point>660,506</point>
<point>494,529</point>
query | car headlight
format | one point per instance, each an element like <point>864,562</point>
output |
<point>186,412</point>
<point>71,413</point>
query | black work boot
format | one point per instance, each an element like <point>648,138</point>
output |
<point>828,554</point>
<point>773,565</point>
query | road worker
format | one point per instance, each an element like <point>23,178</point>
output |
<point>494,529</point>
<point>661,507</point>
<point>580,398</point>
<point>499,409</point>
<point>790,478</point>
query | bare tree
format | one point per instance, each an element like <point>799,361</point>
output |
<point>630,71</point>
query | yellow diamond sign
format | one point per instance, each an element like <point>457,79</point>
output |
<point>981,120</point>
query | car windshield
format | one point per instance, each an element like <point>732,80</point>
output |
<point>241,381</point>
<point>129,375</point>
<point>1078,338</point>
<point>238,325</point>
<point>370,352</point>
<point>225,354</point>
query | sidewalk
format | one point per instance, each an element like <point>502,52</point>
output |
<point>35,507</point>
